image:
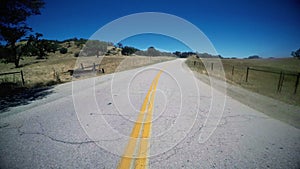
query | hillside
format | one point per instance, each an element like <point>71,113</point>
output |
<point>57,67</point>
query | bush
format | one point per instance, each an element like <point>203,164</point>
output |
<point>76,54</point>
<point>254,57</point>
<point>63,50</point>
<point>127,50</point>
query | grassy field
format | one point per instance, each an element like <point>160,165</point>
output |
<point>55,69</point>
<point>261,82</point>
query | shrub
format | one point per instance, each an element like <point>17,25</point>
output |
<point>63,50</point>
<point>127,50</point>
<point>254,57</point>
<point>76,54</point>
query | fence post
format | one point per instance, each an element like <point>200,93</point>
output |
<point>57,78</point>
<point>232,71</point>
<point>22,76</point>
<point>297,82</point>
<point>82,66</point>
<point>103,70</point>
<point>279,82</point>
<point>54,74</point>
<point>194,63</point>
<point>247,74</point>
<point>94,66</point>
<point>212,66</point>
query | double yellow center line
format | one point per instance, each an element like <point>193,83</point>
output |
<point>136,152</point>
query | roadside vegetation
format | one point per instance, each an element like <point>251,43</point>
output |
<point>265,80</point>
<point>57,66</point>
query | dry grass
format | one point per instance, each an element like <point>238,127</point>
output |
<point>112,64</point>
<point>55,69</point>
<point>260,82</point>
<point>41,72</point>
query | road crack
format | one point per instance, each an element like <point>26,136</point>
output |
<point>53,138</point>
<point>20,132</point>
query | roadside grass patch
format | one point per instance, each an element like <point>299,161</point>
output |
<point>260,82</point>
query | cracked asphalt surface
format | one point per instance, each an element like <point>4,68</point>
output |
<point>48,133</point>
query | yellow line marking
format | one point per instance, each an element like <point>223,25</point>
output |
<point>137,149</point>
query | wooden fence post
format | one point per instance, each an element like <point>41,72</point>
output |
<point>194,63</point>
<point>94,66</point>
<point>54,74</point>
<point>82,66</point>
<point>247,74</point>
<point>103,70</point>
<point>280,82</point>
<point>232,71</point>
<point>57,78</point>
<point>212,66</point>
<point>22,76</point>
<point>297,82</point>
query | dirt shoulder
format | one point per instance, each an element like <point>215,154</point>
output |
<point>276,109</point>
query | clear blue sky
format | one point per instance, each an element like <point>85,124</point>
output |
<point>236,28</point>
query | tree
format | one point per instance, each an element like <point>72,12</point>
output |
<point>39,47</point>
<point>63,50</point>
<point>127,50</point>
<point>296,54</point>
<point>177,53</point>
<point>13,14</point>
<point>254,57</point>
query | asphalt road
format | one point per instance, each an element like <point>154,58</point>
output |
<point>158,116</point>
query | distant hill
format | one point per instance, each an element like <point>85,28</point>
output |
<point>151,51</point>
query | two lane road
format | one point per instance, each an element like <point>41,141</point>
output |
<point>158,116</point>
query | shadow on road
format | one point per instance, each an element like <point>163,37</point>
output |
<point>22,96</point>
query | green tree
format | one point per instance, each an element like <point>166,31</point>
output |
<point>177,53</point>
<point>127,50</point>
<point>39,47</point>
<point>254,57</point>
<point>296,54</point>
<point>63,50</point>
<point>13,14</point>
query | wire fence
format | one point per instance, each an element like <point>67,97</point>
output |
<point>283,76</point>
<point>265,80</point>
<point>12,77</point>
